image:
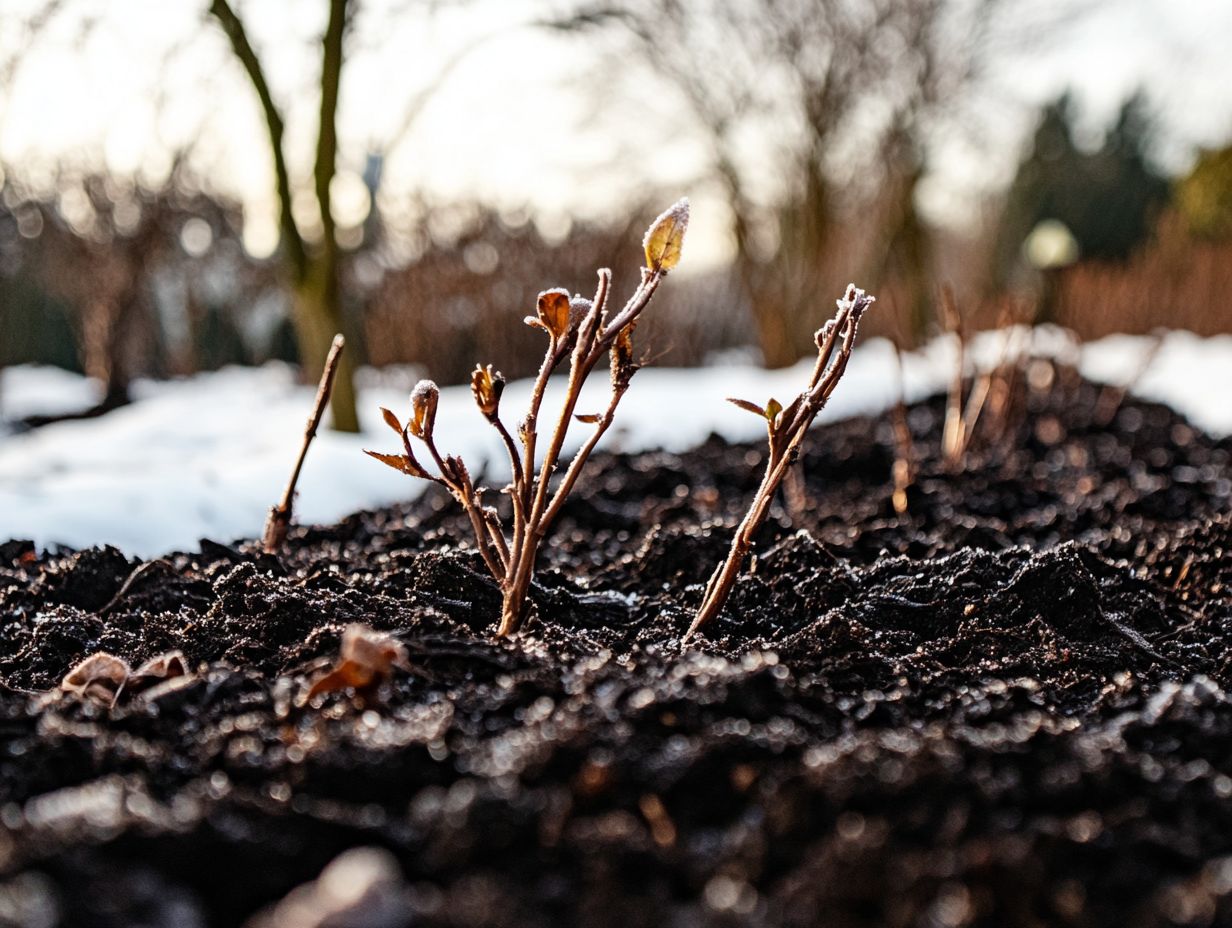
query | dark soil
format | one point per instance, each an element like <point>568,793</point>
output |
<point>1007,707</point>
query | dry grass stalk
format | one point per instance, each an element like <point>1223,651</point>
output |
<point>904,469</point>
<point>963,414</point>
<point>786,427</point>
<point>580,333</point>
<point>279,519</point>
<point>1017,338</point>
<point>951,433</point>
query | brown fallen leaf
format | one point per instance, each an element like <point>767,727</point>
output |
<point>162,667</point>
<point>367,659</point>
<point>100,677</point>
<point>153,672</point>
<point>106,678</point>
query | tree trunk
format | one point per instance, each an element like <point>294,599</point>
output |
<point>786,290</point>
<point>318,318</point>
<point>775,334</point>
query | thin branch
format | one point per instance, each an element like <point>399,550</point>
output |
<point>517,480</point>
<point>786,429</point>
<point>515,462</point>
<point>904,447</point>
<point>530,425</point>
<point>233,26</point>
<point>327,132</point>
<point>480,526</point>
<point>279,519</point>
<point>951,434</point>
<point>580,459</point>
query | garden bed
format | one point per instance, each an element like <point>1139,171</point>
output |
<point>1005,707</point>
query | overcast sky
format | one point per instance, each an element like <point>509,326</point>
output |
<point>519,121</point>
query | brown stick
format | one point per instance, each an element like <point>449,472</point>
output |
<point>786,432</point>
<point>279,519</point>
<point>951,434</point>
<point>592,344</point>
<point>904,447</point>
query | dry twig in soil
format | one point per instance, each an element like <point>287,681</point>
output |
<point>279,519</point>
<point>904,469</point>
<point>989,389</point>
<point>786,427</point>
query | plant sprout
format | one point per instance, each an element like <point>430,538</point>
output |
<point>786,427</point>
<point>580,332</point>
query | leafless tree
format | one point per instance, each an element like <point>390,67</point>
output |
<point>311,258</point>
<point>811,108</point>
<point>105,258</point>
<point>313,269</point>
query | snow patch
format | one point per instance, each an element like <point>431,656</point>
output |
<point>205,457</point>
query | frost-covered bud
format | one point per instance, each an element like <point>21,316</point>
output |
<point>665,237</point>
<point>487,386</point>
<point>822,335</point>
<point>579,306</point>
<point>856,300</point>
<point>424,398</point>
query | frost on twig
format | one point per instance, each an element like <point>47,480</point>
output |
<point>579,332</point>
<point>279,519</point>
<point>785,427</point>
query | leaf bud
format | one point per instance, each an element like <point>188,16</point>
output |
<point>665,237</point>
<point>487,386</point>
<point>773,408</point>
<point>424,398</point>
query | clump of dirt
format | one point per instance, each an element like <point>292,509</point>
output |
<point>1007,706</point>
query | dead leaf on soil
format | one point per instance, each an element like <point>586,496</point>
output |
<point>367,659</point>
<point>99,677</point>
<point>157,670</point>
<point>104,677</point>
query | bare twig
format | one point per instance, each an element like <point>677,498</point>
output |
<point>951,434</point>
<point>786,428</point>
<point>279,519</point>
<point>140,571</point>
<point>904,447</point>
<point>237,35</point>
<point>962,414</point>
<point>580,332</point>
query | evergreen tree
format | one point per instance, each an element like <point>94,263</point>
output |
<point>1107,198</point>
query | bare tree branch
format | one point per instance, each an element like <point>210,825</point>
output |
<point>327,133</point>
<point>233,26</point>
<point>419,101</point>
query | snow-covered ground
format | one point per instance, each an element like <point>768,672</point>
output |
<point>206,457</point>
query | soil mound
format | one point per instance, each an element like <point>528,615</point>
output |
<point>1006,706</point>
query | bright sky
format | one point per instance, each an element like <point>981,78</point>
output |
<point>521,122</point>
